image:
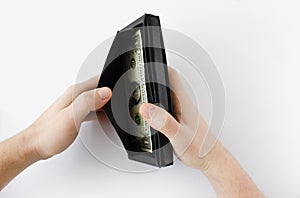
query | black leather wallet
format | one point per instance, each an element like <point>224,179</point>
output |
<point>136,72</point>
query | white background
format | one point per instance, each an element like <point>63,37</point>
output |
<point>255,45</point>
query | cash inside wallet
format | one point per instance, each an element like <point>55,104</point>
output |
<point>136,71</point>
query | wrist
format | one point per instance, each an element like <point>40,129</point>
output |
<point>210,151</point>
<point>29,151</point>
<point>17,153</point>
<point>227,176</point>
<point>212,160</point>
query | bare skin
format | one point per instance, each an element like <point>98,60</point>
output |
<point>191,140</point>
<point>56,129</point>
<point>53,132</point>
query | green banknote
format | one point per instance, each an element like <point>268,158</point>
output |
<point>135,64</point>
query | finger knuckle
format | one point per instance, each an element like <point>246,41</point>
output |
<point>69,119</point>
<point>70,89</point>
<point>86,99</point>
<point>167,126</point>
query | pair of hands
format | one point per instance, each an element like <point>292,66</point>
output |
<point>58,126</point>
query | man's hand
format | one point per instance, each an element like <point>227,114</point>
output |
<point>58,126</point>
<point>54,131</point>
<point>195,146</point>
<point>186,130</point>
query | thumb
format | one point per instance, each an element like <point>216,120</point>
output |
<point>89,101</point>
<point>159,119</point>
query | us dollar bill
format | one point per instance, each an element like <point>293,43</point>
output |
<point>135,62</point>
